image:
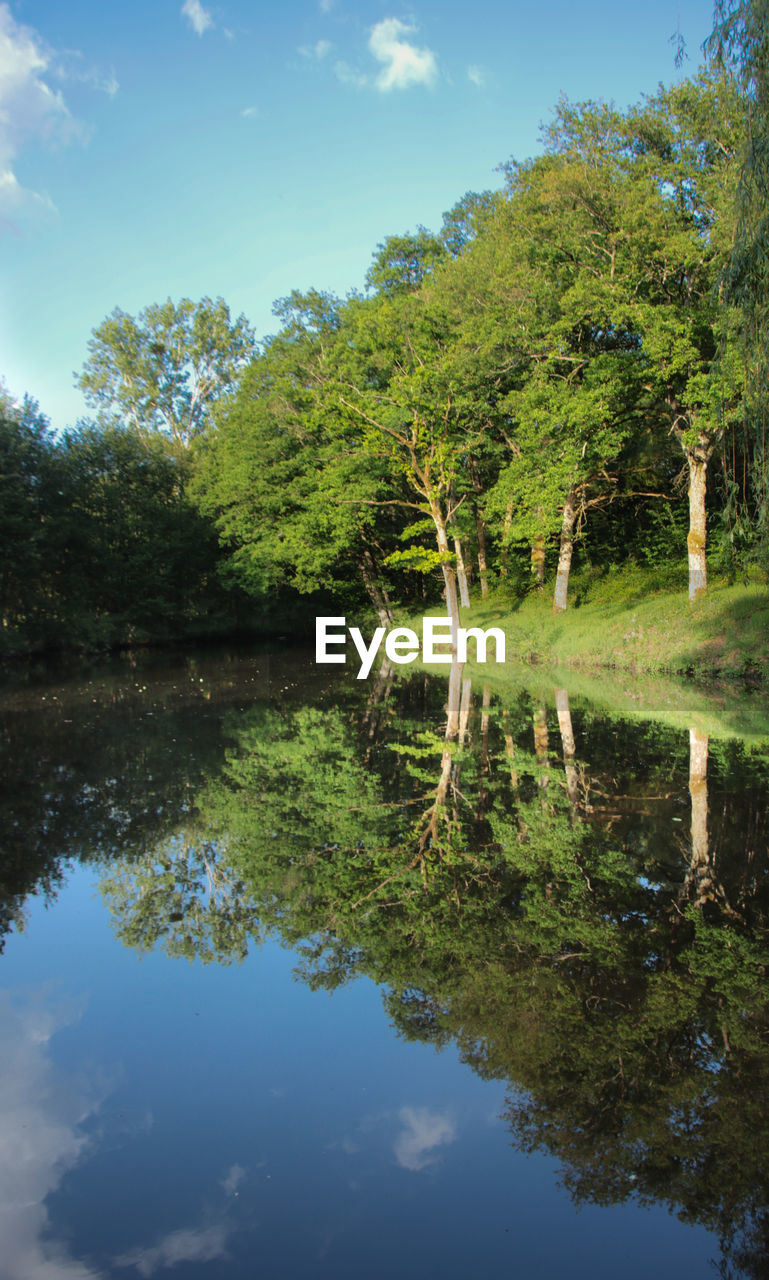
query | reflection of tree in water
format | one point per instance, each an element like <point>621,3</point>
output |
<point>615,982</point>
<point>183,897</point>
<point>106,764</point>
<point>590,930</point>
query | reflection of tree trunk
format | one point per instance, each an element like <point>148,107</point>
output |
<point>452,709</point>
<point>377,699</point>
<point>377,594</point>
<point>457,709</point>
<point>464,709</point>
<point>560,599</point>
<point>541,745</point>
<point>464,590</point>
<point>538,561</point>
<point>483,792</point>
<point>569,749</point>
<point>699,879</point>
<point>510,749</point>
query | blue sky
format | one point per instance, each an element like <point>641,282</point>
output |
<point>206,147</point>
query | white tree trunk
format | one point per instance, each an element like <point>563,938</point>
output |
<point>697,539</point>
<point>464,591</point>
<point>560,599</point>
<point>449,576</point>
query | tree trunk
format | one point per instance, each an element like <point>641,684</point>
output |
<point>449,576</point>
<point>464,591</point>
<point>503,555</point>
<point>480,526</point>
<point>697,456</point>
<point>560,599</point>
<point>453,704</point>
<point>538,561</point>
<point>482,567</point>
<point>696,541</point>
<point>376,593</point>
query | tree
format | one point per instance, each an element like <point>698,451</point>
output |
<point>165,370</point>
<point>401,263</point>
<point>125,508</point>
<point>616,240</point>
<point>397,383</point>
<point>740,41</point>
<point>28,483</point>
<point>282,470</point>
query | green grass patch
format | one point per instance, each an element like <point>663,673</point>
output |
<point>633,624</point>
<point>634,646</point>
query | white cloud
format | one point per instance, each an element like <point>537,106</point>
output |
<point>198,17</point>
<point>318,50</point>
<point>348,75</point>
<point>403,63</point>
<point>69,66</point>
<point>235,1175</point>
<point>423,1131</point>
<point>249,111</point>
<point>477,76</point>
<point>326,6</point>
<point>31,110</point>
<point>40,1118</point>
<point>190,1244</point>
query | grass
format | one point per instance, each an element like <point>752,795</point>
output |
<point>625,642</point>
<point>631,621</point>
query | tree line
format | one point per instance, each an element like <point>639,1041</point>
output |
<point>571,364</point>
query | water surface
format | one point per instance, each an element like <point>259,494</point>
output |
<point>310,976</point>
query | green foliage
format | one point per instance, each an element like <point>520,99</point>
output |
<point>101,544</point>
<point>165,370</point>
<point>547,371</point>
<point>402,263</point>
<point>29,483</point>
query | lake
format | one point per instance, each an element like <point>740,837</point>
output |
<point>310,976</point>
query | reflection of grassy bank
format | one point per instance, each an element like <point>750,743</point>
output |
<point>719,709</point>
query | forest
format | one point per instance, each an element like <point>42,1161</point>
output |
<point>561,387</point>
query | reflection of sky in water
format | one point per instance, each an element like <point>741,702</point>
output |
<point>211,1122</point>
<point>41,1114</point>
<point>423,1133</point>
<point>194,1121</point>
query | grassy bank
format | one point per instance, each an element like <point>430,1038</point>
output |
<point>625,644</point>
<point>627,622</point>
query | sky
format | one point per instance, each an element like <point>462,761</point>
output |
<point>193,148</point>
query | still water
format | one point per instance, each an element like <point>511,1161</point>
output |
<point>309,977</point>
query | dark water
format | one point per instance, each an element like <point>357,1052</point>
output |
<point>304,976</point>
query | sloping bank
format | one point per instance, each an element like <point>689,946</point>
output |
<point>724,635</point>
<point>628,658</point>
